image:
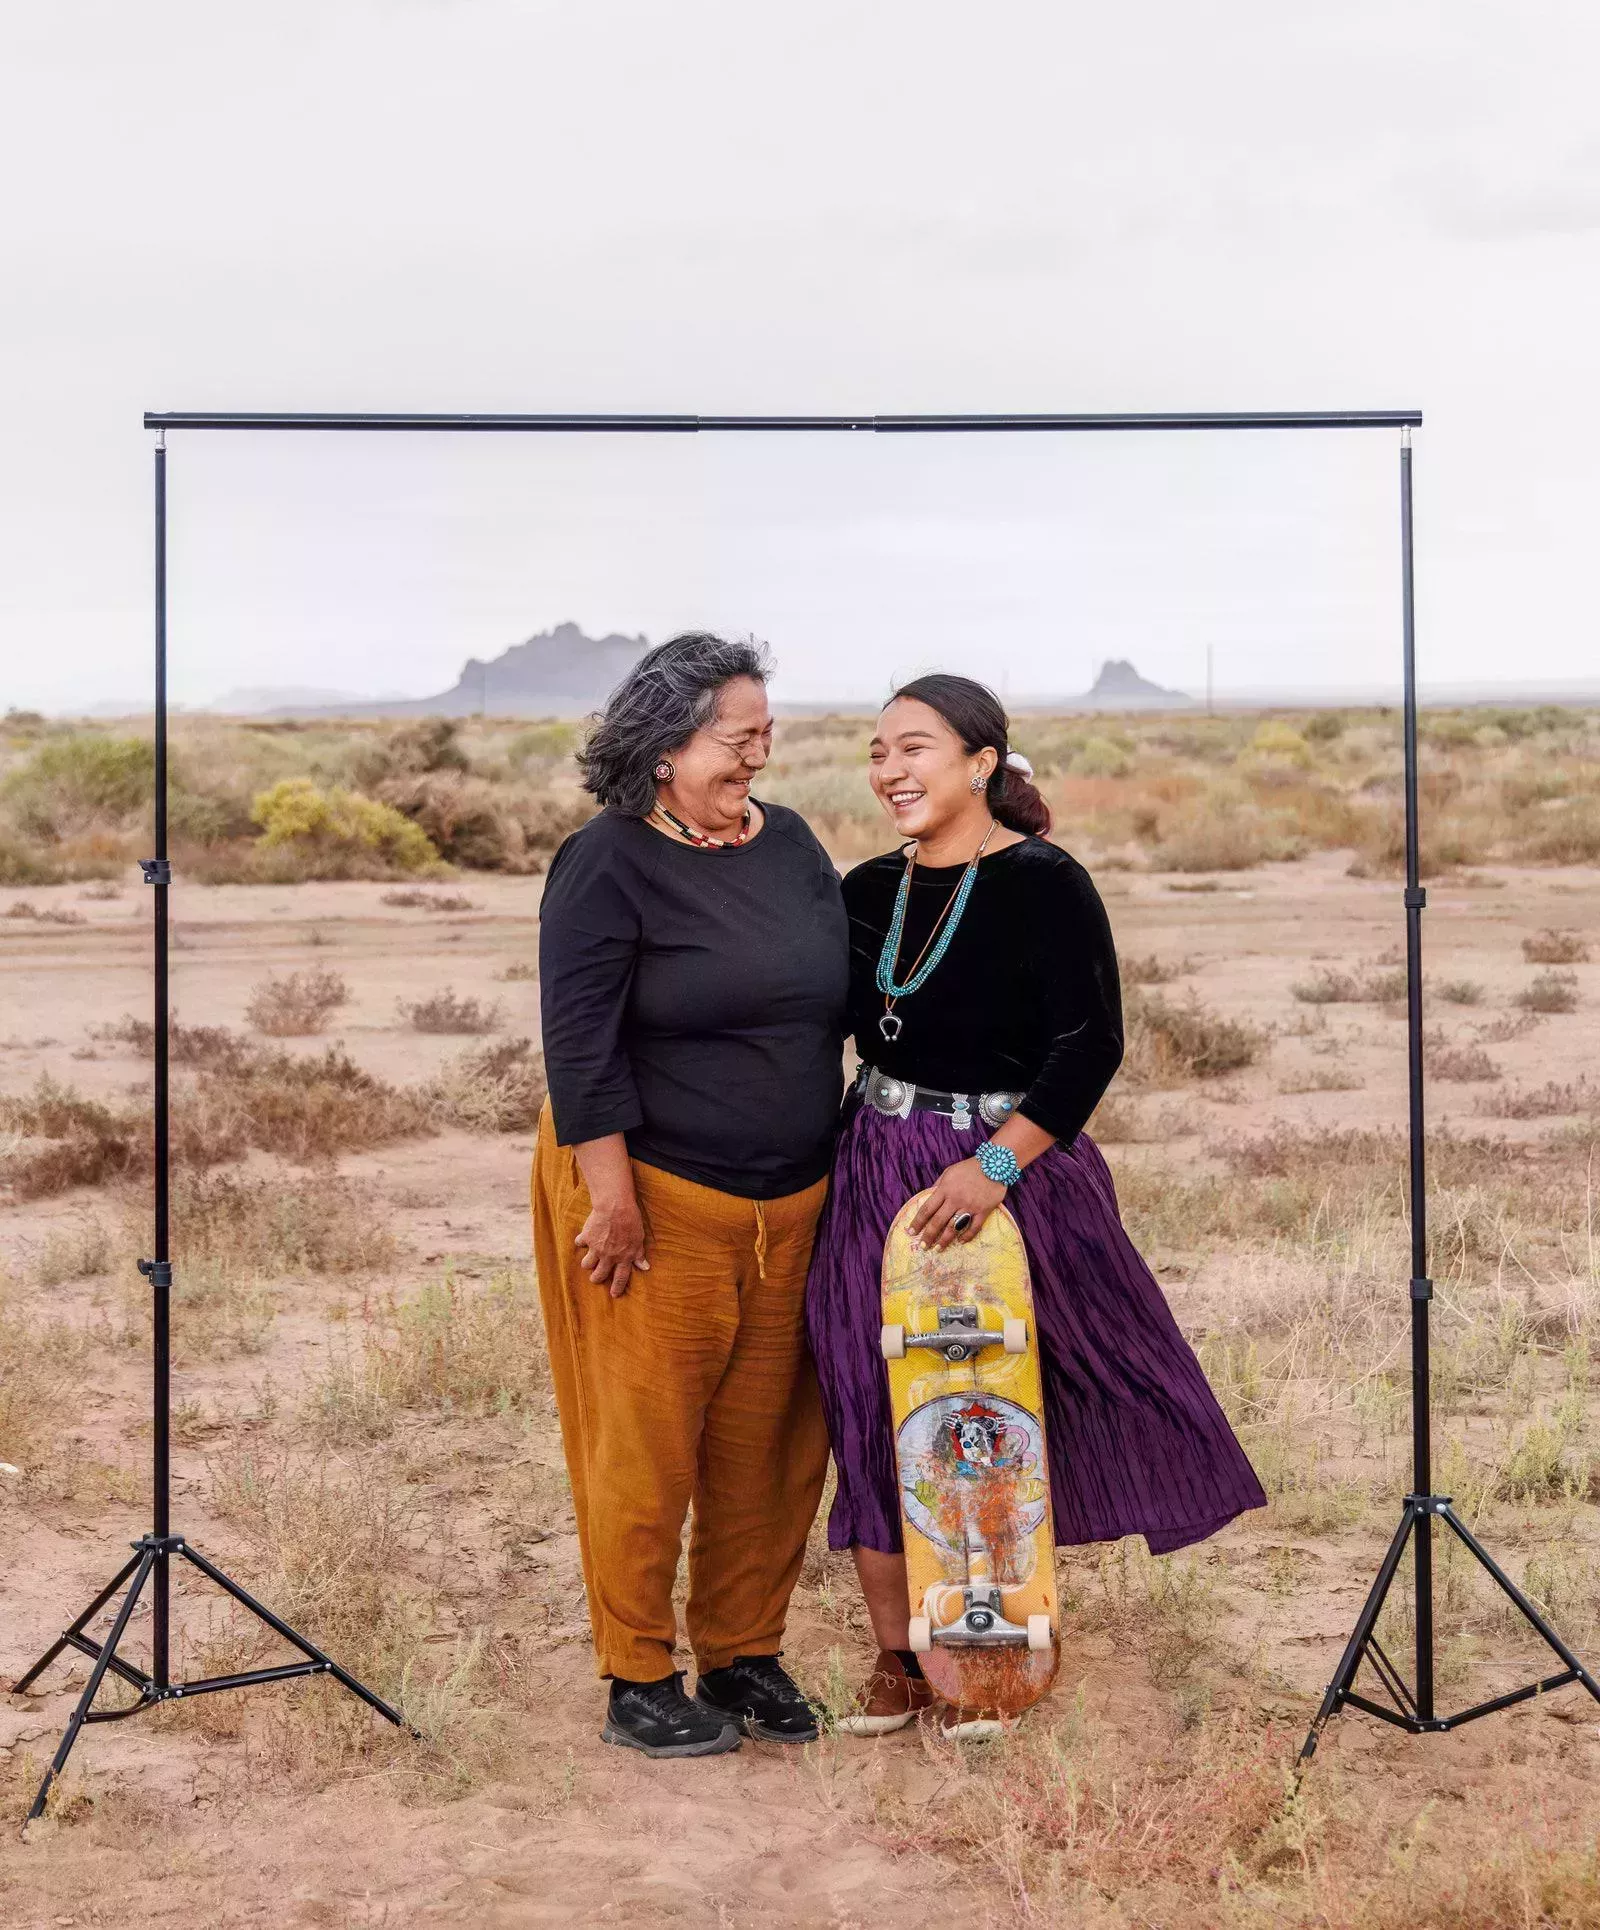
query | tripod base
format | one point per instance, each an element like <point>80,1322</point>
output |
<point>1414,1711</point>
<point>151,1554</point>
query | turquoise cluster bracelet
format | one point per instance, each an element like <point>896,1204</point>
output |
<point>999,1163</point>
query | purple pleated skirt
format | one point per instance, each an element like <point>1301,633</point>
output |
<point>1137,1442</point>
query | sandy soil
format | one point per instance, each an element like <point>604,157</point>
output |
<point>186,1829</point>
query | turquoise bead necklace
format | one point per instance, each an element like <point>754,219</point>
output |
<point>927,962</point>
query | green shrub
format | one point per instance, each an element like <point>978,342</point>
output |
<point>339,833</point>
<point>73,784</point>
<point>1100,757</point>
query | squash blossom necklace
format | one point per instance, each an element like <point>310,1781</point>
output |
<point>927,961</point>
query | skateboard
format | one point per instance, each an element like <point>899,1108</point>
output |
<point>963,1357</point>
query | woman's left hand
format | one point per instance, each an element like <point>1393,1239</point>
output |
<point>962,1188</point>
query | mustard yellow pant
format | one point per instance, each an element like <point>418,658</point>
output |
<point>694,1388</point>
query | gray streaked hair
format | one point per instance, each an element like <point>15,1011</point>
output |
<point>669,694</point>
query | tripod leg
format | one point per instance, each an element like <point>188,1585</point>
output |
<point>1355,1649</point>
<point>1526,1608</point>
<point>97,1675</point>
<point>26,1682</point>
<point>280,1627</point>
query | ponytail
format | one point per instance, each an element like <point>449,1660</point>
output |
<point>978,718</point>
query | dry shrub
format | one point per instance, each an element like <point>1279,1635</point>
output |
<point>51,915</point>
<point>64,1140</point>
<point>1550,947</point>
<point>1460,991</point>
<point>1540,1102</point>
<point>1219,833</point>
<point>1329,987</point>
<point>411,898</point>
<point>213,1046</point>
<point>1321,1079</point>
<point>444,1012</point>
<point>1460,1063</point>
<point>1148,969</point>
<point>296,1005</point>
<point>79,783</point>
<point>308,1108</point>
<point>485,826</point>
<point>1168,1044</point>
<point>494,1089</point>
<point>1570,835</point>
<point>1549,992</point>
<point>521,971</point>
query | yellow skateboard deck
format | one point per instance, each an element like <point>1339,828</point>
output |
<point>962,1352</point>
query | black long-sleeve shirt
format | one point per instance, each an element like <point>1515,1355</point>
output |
<point>1026,998</point>
<point>693,1000</point>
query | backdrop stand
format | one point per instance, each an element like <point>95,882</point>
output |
<point>154,1553</point>
<point>1410,1707</point>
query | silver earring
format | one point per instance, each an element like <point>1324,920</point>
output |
<point>979,783</point>
<point>664,771</point>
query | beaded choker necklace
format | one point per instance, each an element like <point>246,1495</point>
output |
<point>700,838</point>
<point>927,960</point>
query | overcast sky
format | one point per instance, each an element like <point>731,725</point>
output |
<point>507,205</point>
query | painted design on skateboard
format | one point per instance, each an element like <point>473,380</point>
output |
<point>967,1398</point>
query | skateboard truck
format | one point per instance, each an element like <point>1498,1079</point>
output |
<point>960,1335</point>
<point>982,1622</point>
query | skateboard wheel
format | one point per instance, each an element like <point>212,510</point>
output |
<point>1040,1636</point>
<point>1014,1336</point>
<point>892,1341</point>
<point>921,1636</point>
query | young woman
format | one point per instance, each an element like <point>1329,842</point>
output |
<point>988,1020</point>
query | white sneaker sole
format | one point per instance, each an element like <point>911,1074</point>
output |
<point>875,1725</point>
<point>975,1729</point>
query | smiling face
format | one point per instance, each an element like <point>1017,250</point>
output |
<point>921,773</point>
<point>713,771</point>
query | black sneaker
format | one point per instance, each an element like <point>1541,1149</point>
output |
<point>758,1693</point>
<point>658,1719</point>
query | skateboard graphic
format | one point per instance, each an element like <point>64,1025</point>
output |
<point>962,1352</point>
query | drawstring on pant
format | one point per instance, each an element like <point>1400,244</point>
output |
<point>761,1240</point>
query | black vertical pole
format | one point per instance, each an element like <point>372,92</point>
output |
<point>160,1271</point>
<point>1421,1286</point>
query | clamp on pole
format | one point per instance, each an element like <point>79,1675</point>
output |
<point>157,1272</point>
<point>157,871</point>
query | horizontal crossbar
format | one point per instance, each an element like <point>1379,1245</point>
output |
<point>690,425</point>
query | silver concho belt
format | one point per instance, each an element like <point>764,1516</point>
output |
<point>900,1098</point>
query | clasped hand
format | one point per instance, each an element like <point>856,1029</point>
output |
<point>962,1188</point>
<point>612,1242</point>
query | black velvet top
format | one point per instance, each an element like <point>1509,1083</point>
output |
<point>693,1000</point>
<point>1026,998</point>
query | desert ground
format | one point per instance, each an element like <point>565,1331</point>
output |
<point>363,1424</point>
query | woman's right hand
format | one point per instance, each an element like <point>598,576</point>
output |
<point>612,1242</point>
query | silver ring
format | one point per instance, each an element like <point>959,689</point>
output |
<point>961,1222</point>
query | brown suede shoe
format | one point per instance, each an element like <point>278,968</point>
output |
<point>887,1700</point>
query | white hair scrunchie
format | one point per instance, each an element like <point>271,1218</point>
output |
<point>1015,761</point>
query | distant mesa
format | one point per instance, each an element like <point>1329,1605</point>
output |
<point>558,673</point>
<point>1120,687</point>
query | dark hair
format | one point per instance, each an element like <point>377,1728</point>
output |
<point>976,716</point>
<point>669,694</point>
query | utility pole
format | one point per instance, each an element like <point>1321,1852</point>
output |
<point>1208,679</point>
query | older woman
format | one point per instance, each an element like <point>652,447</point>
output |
<point>693,958</point>
<point>986,1011</point>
